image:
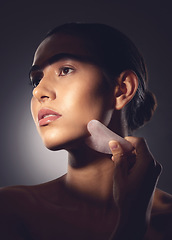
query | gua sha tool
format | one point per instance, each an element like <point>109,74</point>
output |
<point>100,137</point>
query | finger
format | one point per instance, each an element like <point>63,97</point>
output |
<point>144,156</point>
<point>123,161</point>
<point>140,145</point>
<point>116,150</point>
<point>120,155</point>
<point>120,162</point>
<point>145,163</point>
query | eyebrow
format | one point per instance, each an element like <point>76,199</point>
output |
<point>60,56</point>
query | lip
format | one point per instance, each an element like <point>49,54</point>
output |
<point>45,116</point>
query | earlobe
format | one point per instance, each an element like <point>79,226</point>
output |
<point>127,84</point>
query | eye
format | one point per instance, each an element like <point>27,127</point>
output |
<point>35,78</point>
<point>65,70</point>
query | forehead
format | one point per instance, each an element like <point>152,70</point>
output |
<point>59,44</point>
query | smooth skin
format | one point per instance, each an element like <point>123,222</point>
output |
<point>102,196</point>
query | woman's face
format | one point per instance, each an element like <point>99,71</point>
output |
<point>76,91</point>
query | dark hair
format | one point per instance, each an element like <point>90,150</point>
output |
<point>116,53</point>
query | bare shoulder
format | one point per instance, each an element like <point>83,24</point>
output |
<point>19,204</point>
<point>12,191</point>
<point>162,202</point>
<point>20,196</point>
<point>12,203</point>
<point>161,217</point>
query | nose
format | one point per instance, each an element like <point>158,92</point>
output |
<point>44,91</point>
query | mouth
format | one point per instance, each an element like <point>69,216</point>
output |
<point>46,116</point>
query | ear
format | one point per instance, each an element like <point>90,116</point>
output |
<point>127,84</point>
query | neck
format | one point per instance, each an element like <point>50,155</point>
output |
<point>90,174</point>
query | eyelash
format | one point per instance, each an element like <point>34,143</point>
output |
<point>34,81</point>
<point>63,69</point>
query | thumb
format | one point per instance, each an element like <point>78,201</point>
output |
<point>116,150</point>
<point>120,157</point>
<point>120,161</point>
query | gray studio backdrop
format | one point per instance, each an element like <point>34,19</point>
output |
<point>23,158</point>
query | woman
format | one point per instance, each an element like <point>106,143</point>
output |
<point>82,72</point>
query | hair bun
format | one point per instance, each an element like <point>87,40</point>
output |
<point>140,110</point>
<point>149,106</point>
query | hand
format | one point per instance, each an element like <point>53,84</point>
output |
<point>135,177</point>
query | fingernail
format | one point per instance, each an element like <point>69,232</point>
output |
<point>113,145</point>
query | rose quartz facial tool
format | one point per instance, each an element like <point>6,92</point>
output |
<point>100,137</point>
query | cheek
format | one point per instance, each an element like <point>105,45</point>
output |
<point>33,109</point>
<point>99,106</point>
<point>87,103</point>
<point>79,102</point>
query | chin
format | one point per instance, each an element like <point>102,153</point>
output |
<point>56,141</point>
<point>53,147</point>
<point>66,145</point>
